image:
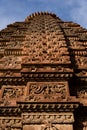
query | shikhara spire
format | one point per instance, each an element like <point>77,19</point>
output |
<point>43,74</point>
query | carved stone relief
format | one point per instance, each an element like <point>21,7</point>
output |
<point>10,123</point>
<point>10,94</point>
<point>47,121</point>
<point>46,59</point>
<point>47,91</point>
<point>81,61</point>
<point>10,62</point>
<point>49,41</point>
<point>82,92</point>
<point>46,118</point>
<point>33,68</point>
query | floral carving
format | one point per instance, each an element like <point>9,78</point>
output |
<point>47,91</point>
<point>10,94</point>
<point>13,92</point>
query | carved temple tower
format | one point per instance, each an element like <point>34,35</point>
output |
<point>43,74</point>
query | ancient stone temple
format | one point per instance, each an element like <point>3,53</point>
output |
<point>43,74</point>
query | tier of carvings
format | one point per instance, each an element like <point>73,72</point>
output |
<point>48,59</point>
<point>41,39</point>
<point>44,45</point>
<point>23,106</point>
<point>47,91</point>
<point>44,38</point>
<point>46,68</point>
<point>34,91</point>
<point>41,118</point>
<point>45,120</point>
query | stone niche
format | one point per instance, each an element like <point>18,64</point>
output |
<point>48,121</point>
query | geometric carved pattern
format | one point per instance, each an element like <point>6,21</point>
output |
<point>41,118</point>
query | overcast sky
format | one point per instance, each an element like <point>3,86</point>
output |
<point>68,10</point>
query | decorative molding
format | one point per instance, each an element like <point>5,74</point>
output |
<point>10,123</point>
<point>5,111</point>
<point>41,118</point>
<point>47,107</point>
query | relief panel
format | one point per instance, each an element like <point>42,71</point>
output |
<point>47,91</point>
<point>10,94</point>
<point>10,62</point>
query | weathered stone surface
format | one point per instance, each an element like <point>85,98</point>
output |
<point>43,74</point>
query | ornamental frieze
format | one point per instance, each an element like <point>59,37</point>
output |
<point>10,123</point>
<point>41,118</point>
<point>46,68</point>
<point>34,91</point>
<point>46,59</point>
